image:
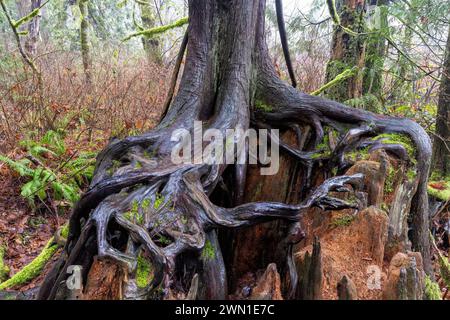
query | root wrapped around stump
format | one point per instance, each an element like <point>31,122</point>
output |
<point>155,218</point>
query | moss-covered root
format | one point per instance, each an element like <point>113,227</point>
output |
<point>4,269</point>
<point>35,267</point>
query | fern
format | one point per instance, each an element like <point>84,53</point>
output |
<point>43,181</point>
<point>20,166</point>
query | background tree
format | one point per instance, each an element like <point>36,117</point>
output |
<point>347,48</point>
<point>84,40</point>
<point>33,29</point>
<point>441,144</point>
<point>148,18</point>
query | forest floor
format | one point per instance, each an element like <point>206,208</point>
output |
<point>24,232</point>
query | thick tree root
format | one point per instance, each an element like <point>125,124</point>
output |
<point>142,210</point>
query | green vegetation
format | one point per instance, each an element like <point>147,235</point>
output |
<point>342,221</point>
<point>403,140</point>
<point>389,182</point>
<point>359,154</point>
<point>144,272</point>
<point>33,269</point>
<point>439,189</point>
<point>208,252</point>
<point>444,268</point>
<point>367,102</point>
<point>4,269</point>
<point>133,215</point>
<point>62,181</point>
<point>262,106</point>
<point>157,30</point>
<point>158,201</point>
<point>344,75</point>
<point>432,290</point>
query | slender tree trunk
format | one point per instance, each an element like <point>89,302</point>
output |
<point>376,52</point>
<point>151,45</point>
<point>347,50</point>
<point>84,41</point>
<point>158,220</point>
<point>33,30</point>
<point>441,145</point>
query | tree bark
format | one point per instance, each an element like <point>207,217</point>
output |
<point>227,69</point>
<point>151,45</point>
<point>441,145</point>
<point>376,52</point>
<point>33,30</point>
<point>84,41</point>
<point>347,50</point>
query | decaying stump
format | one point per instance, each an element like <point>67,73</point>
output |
<point>310,274</point>
<point>405,278</point>
<point>268,286</point>
<point>144,212</point>
<point>346,289</point>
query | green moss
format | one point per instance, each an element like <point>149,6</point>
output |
<point>208,252</point>
<point>4,269</point>
<point>262,106</point>
<point>342,221</point>
<point>157,30</point>
<point>432,290</point>
<point>367,102</point>
<point>133,214</point>
<point>439,189</point>
<point>114,166</point>
<point>33,269</point>
<point>144,272</point>
<point>65,231</point>
<point>359,154</point>
<point>344,75</point>
<point>396,138</point>
<point>145,203</point>
<point>138,165</point>
<point>164,240</point>
<point>158,201</point>
<point>333,12</point>
<point>389,182</point>
<point>444,268</point>
<point>411,174</point>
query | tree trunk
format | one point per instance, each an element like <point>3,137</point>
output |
<point>347,50</point>
<point>376,51</point>
<point>33,30</point>
<point>151,45</point>
<point>441,145</point>
<point>84,41</point>
<point>157,219</point>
